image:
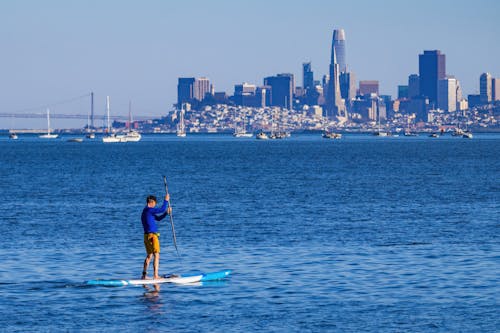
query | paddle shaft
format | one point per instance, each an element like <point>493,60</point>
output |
<point>171,218</point>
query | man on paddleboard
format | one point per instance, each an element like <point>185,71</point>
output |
<point>151,214</point>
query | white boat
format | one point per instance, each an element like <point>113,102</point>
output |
<point>131,135</point>
<point>111,137</point>
<point>467,135</point>
<point>48,135</point>
<point>75,140</point>
<point>13,136</point>
<point>261,136</point>
<point>181,127</point>
<point>242,134</point>
<point>410,133</point>
<point>114,138</point>
<point>331,135</point>
<point>90,136</point>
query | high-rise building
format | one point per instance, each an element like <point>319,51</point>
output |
<point>368,87</point>
<point>201,87</point>
<point>185,90</point>
<point>347,85</point>
<point>413,86</point>
<point>485,88</point>
<point>338,47</point>
<point>281,90</point>
<point>335,105</point>
<point>307,76</point>
<point>447,94</point>
<point>249,95</point>
<point>402,92</point>
<point>495,88</point>
<point>432,68</point>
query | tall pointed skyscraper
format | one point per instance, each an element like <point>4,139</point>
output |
<point>338,49</point>
<point>334,103</point>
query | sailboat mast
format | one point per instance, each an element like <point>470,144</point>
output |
<point>92,109</point>
<point>48,122</point>
<point>107,111</point>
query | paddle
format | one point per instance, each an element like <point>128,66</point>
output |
<point>171,218</point>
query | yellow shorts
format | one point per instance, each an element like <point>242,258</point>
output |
<point>152,243</point>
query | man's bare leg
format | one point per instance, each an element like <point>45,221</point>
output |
<point>146,265</point>
<point>156,266</point>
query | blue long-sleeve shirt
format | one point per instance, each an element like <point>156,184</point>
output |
<point>149,217</point>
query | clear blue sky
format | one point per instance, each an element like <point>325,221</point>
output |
<point>135,50</point>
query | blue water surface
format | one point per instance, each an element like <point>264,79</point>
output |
<point>361,234</point>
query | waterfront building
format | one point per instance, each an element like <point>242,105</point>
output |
<point>185,90</point>
<point>368,87</point>
<point>413,86</point>
<point>447,94</point>
<point>432,68</point>
<point>485,88</point>
<point>281,90</point>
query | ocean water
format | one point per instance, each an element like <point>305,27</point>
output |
<point>362,234</point>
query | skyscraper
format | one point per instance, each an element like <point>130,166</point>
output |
<point>281,90</point>
<point>338,48</point>
<point>447,94</point>
<point>334,104</point>
<point>307,76</point>
<point>185,90</point>
<point>432,68</point>
<point>347,85</point>
<point>485,88</point>
<point>495,88</point>
<point>368,87</point>
<point>201,88</point>
<point>413,86</point>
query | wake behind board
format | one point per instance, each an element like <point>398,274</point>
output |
<point>178,279</point>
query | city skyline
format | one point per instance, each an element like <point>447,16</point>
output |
<point>137,51</point>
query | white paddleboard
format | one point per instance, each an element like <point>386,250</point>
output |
<point>178,279</point>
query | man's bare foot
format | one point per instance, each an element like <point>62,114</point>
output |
<point>156,277</point>
<point>170,276</point>
<point>143,277</point>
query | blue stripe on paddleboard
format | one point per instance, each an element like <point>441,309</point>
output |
<point>111,283</point>
<point>215,275</point>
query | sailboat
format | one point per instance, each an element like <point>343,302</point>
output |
<point>379,132</point>
<point>131,135</point>
<point>242,132</point>
<point>90,132</point>
<point>48,135</point>
<point>181,127</point>
<point>111,138</point>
